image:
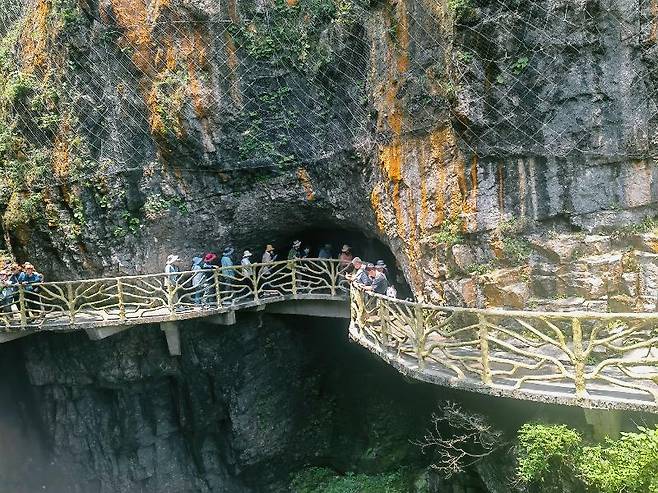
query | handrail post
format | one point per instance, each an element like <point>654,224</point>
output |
<point>70,299</point>
<point>122,305</point>
<point>579,358</point>
<point>254,280</point>
<point>334,276</point>
<point>170,296</point>
<point>21,306</point>
<point>293,268</point>
<point>218,291</point>
<point>419,330</point>
<point>383,317</point>
<point>483,335</point>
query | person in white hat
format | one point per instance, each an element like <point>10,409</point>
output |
<point>171,279</point>
<point>247,270</point>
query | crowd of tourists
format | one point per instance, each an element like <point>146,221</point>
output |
<point>14,275</point>
<point>236,275</point>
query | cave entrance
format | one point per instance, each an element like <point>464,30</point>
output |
<point>369,249</point>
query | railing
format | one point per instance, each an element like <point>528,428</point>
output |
<point>158,297</point>
<point>588,359</point>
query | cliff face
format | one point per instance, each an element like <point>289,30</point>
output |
<point>135,129</point>
<point>241,410</point>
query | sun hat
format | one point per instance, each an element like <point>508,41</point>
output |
<point>209,257</point>
<point>370,266</point>
<point>346,248</point>
<point>380,264</point>
<point>228,251</point>
<point>28,265</point>
<point>246,253</point>
<point>357,260</point>
<point>170,260</point>
<point>296,243</point>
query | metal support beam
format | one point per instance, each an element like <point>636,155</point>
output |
<point>173,337</point>
<point>227,318</point>
<point>99,333</point>
<point>604,422</point>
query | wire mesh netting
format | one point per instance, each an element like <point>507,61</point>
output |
<point>89,88</point>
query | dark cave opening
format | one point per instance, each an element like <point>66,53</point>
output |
<point>368,248</point>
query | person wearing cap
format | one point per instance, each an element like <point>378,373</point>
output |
<point>29,277</point>
<point>378,282</point>
<point>381,266</point>
<point>325,251</point>
<point>345,257</point>
<point>294,251</point>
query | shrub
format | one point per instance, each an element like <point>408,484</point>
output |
<point>323,480</point>
<point>543,447</point>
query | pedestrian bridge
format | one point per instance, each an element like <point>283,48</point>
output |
<point>587,359</point>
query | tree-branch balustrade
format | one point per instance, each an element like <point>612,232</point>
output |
<point>157,297</point>
<point>585,358</point>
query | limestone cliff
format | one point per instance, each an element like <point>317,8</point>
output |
<point>134,129</point>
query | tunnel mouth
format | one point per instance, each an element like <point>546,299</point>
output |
<point>368,248</point>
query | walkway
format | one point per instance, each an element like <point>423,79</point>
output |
<point>592,360</point>
<point>587,359</point>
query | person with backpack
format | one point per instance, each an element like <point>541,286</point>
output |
<point>30,279</point>
<point>198,280</point>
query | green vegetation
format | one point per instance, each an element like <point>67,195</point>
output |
<point>288,35</point>
<point>516,251</point>
<point>647,225</point>
<point>323,480</point>
<point>628,465</point>
<point>450,232</point>
<point>156,206</point>
<point>461,9</point>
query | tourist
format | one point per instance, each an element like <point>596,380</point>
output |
<point>306,253</point>
<point>358,274</point>
<point>6,292</point>
<point>198,280</point>
<point>30,279</point>
<point>345,257</point>
<point>247,272</point>
<point>228,272</point>
<point>381,266</point>
<point>294,251</point>
<point>210,262</point>
<point>378,282</point>
<point>269,255</point>
<point>14,273</point>
<point>325,251</point>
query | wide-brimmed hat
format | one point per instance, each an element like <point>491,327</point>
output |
<point>380,264</point>
<point>269,248</point>
<point>296,243</point>
<point>170,260</point>
<point>246,253</point>
<point>228,251</point>
<point>357,260</point>
<point>346,248</point>
<point>209,257</point>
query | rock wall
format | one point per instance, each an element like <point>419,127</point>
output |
<point>145,128</point>
<point>242,409</point>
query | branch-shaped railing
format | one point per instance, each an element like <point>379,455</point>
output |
<point>583,358</point>
<point>159,297</point>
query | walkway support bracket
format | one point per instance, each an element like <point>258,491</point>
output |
<point>173,337</point>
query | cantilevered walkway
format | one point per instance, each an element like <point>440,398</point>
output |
<point>592,360</point>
